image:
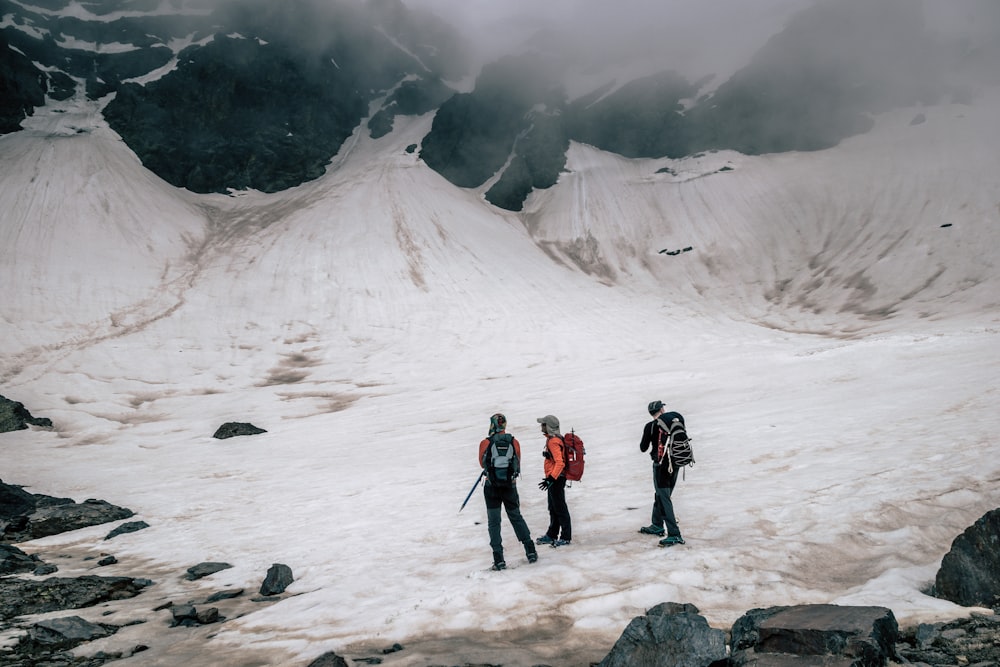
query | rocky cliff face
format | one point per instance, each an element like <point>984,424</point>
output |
<point>231,95</point>
<point>254,94</point>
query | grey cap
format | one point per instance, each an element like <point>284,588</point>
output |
<point>551,423</point>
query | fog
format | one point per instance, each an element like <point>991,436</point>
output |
<point>699,39</point>
<point>686,35</point>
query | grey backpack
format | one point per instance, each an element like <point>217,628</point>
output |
<point>500,461</point>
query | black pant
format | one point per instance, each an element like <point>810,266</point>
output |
<point>506,496</point>
<point>559,512</point>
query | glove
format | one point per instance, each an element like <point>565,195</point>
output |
<point>545,484</point>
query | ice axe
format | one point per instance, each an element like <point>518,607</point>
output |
<point>472,490</point>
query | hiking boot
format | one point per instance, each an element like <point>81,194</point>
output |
<point>560,543</point>
<point>544,539</point>
<point>499,565</point>
<point>529,551</point>
<point>532,557</point>
<point>671,540</point>
<point>652,530</point>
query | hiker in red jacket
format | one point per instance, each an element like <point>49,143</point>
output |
<point>560,532</point>
<point>497,494</point>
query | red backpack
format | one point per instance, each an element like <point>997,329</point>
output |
<point>574,453</point>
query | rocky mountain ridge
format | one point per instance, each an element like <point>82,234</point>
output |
<point>246,94</point>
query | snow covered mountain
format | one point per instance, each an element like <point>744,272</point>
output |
<point>830,331</point>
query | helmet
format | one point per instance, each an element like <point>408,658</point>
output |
<point>655,407</point>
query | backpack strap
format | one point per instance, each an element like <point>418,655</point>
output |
<point>562,446</point>
<point>666,447</point>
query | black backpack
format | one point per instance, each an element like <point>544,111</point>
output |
<point>500,461</point>
<point>677,447</point>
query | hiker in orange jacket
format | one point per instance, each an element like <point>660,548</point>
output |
<point>560,532</point>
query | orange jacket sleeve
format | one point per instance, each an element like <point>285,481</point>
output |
<point>482,450</point>
<point>555,466</point>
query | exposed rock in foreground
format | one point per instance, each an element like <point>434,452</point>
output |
<point>970,572</point>
<point>669,634</point>
<point>859,636</point>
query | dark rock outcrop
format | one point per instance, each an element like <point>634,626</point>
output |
<point>233,429</point>
<point>857,636</point>
<point>970,572</point>
<point>411,98</point>
<point>22,89</point>
<point>669,635</point>
<point>278,578</point>
<point>27,516</point>
<point>13,415</point>
<point>24,596</point>
<point>965,641</point>
<point>268,112</point>
<point>63,517</point>
<point>263,98</point>
<point>474,134</point>
<point>50,641</point>
<point>15,502</point>
<point>15,561</point>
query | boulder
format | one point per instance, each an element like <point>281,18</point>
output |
<point>970,572</point>
<point>204,569</point>
<point>130,527</point>
<point>224,595</point>
<point>329,659</point>
<point>669,635</point>
<point>187,615</point>
<point>278,578</point>
<point>67,631</point>
<point>184,614</point>
<point>824,634</point>
<point>232,429</point>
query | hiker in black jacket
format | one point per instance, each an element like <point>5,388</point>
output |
<point>653,439</point>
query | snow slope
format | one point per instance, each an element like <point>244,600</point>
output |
<point>833,347</point>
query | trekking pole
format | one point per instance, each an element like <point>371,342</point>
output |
<point>472,490</point>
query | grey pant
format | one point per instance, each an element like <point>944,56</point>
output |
<point>663,507</point>
<point>508,498</point>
